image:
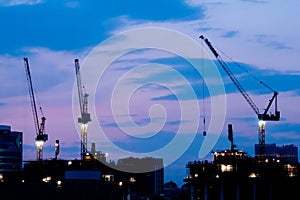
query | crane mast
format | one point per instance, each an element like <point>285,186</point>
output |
<point>41,137</point>
<point>261,116</point>
<point>85,116</point>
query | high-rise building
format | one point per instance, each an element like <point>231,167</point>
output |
<point>145,175</point>
<point>10,150</point>
<point>270,150</point>
<point>287,153</point>
<point>99,155</point>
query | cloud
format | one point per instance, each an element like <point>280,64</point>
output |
<point>12,76</point>
<point>223,34</point>
<point>230,34</point>
<point>67,151</point>
<point>142,145</point>
<point>286,128</point>
<point>196,3</point>
<point>53,77</point>
<point>277,23</point>
<point>267,49</point>
<point>48,69</point>
<point>169,97</point>
<point>72,4</point>
<point>7,3</point>
<point>255,1</point>
<point>270,42</point>
<point>239,111</point>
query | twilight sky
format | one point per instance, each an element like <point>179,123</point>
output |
<point>150,79</point>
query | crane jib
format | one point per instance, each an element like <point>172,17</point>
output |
<point>264,116</point>
<point>32,98</point>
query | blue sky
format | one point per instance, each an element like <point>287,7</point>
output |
<point>261,36</point>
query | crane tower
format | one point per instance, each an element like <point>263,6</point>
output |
<point>85,117</point>
<point>262,117</point>
<point>41,137</point>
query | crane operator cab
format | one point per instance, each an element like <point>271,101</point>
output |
<point>270,117</point>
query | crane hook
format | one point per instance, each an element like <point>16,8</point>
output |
<point>204,131</point>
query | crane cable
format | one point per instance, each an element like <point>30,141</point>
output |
<point>203,92</point>
<point>260,81</point>
<point>41,124</point>
<point>39,103</point>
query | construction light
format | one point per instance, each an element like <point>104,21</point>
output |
<point>39,144</point>
<point>252,175</point>
<point>132,180</point>
<point>58,183</point>
<point>261,123</point>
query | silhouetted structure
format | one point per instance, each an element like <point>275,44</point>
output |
<point>142,176</point>
<point>84,179</point>
<point>288,153</point>
<point>99,155</point>
<point>233,174</point>
<point>10,151</point>
<point>285,153</point>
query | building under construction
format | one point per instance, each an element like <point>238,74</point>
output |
<point>233,174</point>
<point>88,178</point>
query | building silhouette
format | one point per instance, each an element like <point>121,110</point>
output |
<point>284,153</point>
<point>90,177</point>
<point>10,151</point>
<point>233,174</point>
<point>287,153</point>
<point>143,175</point>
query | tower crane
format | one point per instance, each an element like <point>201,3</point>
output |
<point>85,117</point>
<point>41,137</point>
<point>262,117</point>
